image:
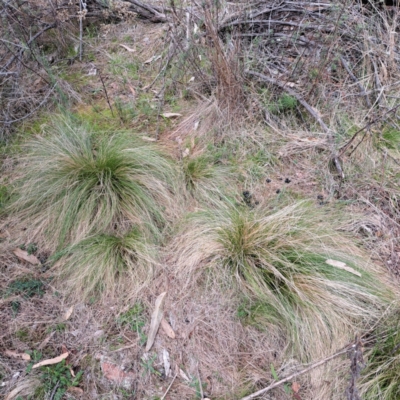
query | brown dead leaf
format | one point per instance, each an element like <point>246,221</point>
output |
<point>295,387</point>
<point>68,313</point>
<point>156,318</point>
<point>115,374</point>
<point>15,354</point>
<point>76,391</point>
<point>166,327</point>
<point>171,115</point>
<point>127,48</point>
<point>23,255</point>
<point>51,361</point>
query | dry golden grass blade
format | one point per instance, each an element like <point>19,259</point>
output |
<point>156,318</point>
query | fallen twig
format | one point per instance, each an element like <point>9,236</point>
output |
<point>344,148</point>
<point>169,387</point>
<point>295,374</point>
<point>354,78</point>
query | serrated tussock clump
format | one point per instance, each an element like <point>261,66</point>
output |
<point>73,184</point>
<point>106,263</point>
<point>279,261</point>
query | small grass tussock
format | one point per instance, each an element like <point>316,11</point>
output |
<point>279,260</point>
<point>72,185</point>
<point>380,378</point>
<point>106,263</point>
<point>205,179</point>
<point>135,319</point>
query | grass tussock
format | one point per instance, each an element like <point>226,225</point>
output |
<point>279,261</point>
<point>205,179</point>
<point>72,185</point>
<point>380,378</point>
<point>106,263</point>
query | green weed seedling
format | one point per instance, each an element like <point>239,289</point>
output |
<point>58,378</point>
<point>195,384</point>
<point>135,320</point>
<point>26,287</point>
<point>286,387</point>
<point>148,365</point>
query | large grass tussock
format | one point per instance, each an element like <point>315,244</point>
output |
<point>278,261</point>
<point>73,185</point>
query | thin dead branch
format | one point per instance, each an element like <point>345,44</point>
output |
<point>296,374</point>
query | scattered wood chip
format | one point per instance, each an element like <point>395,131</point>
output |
<point>127,48</point>
<point>343,266</point>
<point>171,115</point>
<point>156,318</point>
<point>186,152</point>
<point>68,313</point>
<point>116,375</point>
<point>23,255</point>
<point>51,361</point>
<point>16,354</point>
<point>166,327</point>
<point>167,363</point>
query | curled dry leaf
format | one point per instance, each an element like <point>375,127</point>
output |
<point>171,115</point>
<point>15,354</point>
<point>342,265</point>
<point>75,391</point>
<point>23,255</point>
<point>167,363</point>
<point>51,361</point>
<point>156,318</point>
<point>295,387</point>
<point>127,48</point>
<point>115,374</point>
<point>183,375</point>
<point>166,327</point>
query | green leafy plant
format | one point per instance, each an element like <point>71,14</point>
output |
<point>285,103</point>
<point>58,378</point>
<point>27,287</point>
<point>279,260</point>
<point>134,318</point>
<point>148,364</point>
